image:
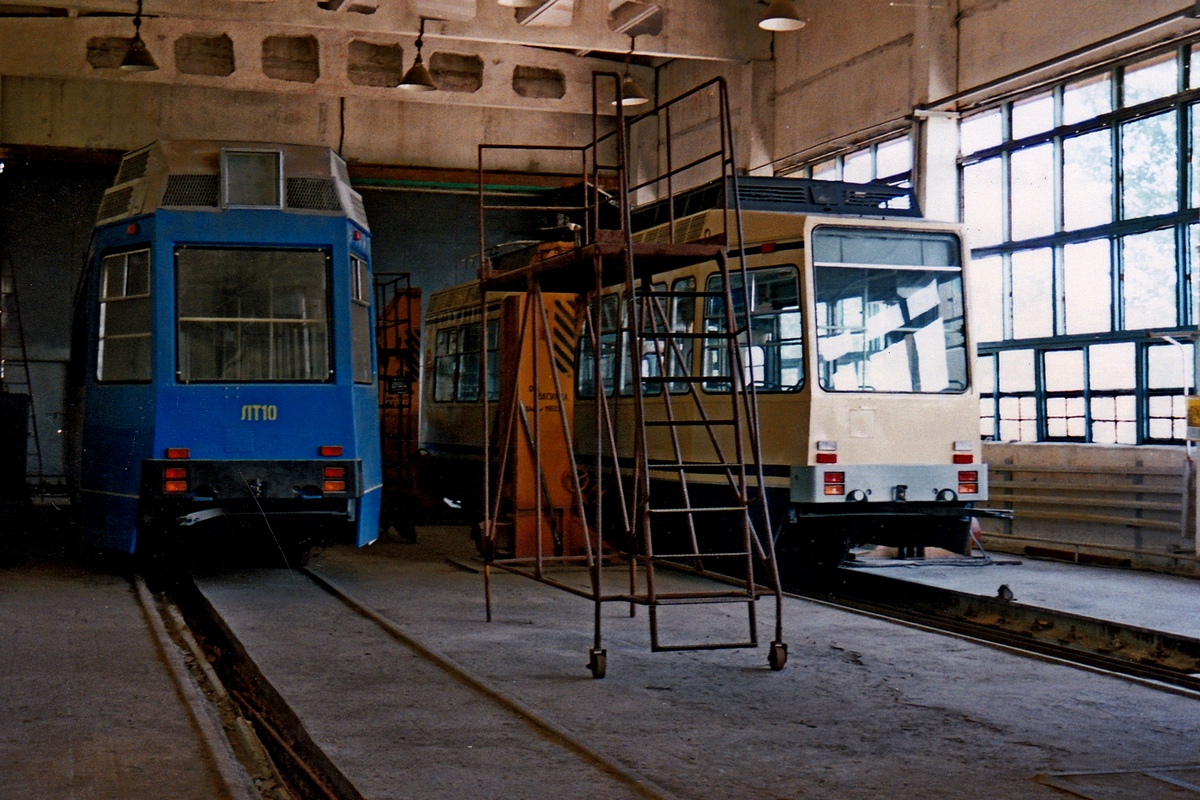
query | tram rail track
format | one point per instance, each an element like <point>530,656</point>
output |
<point>1163,660</point>
<point>304,768</point>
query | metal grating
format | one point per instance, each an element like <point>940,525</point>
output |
<point>116,202</point>
<point>133,167</point>
<point>192,190</point>
<point>312,194</point>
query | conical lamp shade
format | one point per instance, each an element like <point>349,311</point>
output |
<point>418,79</point>
<point>137,57</point>
<point>781,16</point>
<point>631,93</point>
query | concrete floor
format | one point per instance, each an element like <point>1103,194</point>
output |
<point>88,708</point>
<point>864,709</point>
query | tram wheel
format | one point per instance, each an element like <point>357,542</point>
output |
<point>777,658</point>
<point>597,662</point>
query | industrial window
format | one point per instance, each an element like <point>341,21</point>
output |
<point>1080,202</point>
<point>773,357</point>
<point>252,315</point>
<point>360,321</point>
<point>888,160</point>
<point>123,350</point>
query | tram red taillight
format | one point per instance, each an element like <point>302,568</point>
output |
<point>330,450</point>
<point>964,458</point>
<point>175,480</point>
<point>179,452</point>
<point>335,479</point>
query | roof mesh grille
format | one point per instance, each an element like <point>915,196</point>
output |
<point>312,194</point>
<point>358,210</point>
<point>133,167</point>
<point>192,190</point>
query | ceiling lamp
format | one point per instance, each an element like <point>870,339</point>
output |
<point>631,94</point>
<point>418,79</point>
<point>520,3</point>
<point>781,16</point>
<point>137,57</point>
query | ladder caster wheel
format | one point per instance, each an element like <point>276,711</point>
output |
<point>597,663</point>
<point>778,655</point>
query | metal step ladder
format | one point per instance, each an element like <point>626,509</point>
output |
<point>723,464</point>
<point>15,380</point>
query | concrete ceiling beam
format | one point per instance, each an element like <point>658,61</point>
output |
<point>726,31</point>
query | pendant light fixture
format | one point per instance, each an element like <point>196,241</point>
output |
<point>781,16</point>
<point>519,3</point>
<point>137,57</point>
<point>631,93</point>
<point>418,79</point>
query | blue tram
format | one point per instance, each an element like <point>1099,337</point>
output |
<point>223,350</point>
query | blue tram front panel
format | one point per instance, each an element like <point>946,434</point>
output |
<point>230,369</point>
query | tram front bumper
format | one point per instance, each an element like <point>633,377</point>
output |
<point>889,483</point>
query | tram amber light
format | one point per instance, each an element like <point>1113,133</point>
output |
<point>835,489</point>
<point>335,486</point>
<point>968,488</point>
<point>335,472</point>
<point>174,487</point>
<point>835,477</point>
<point>964,458</point>
<point>768,247</point>
<point>175,473</point>
<point>179,452</point>
<point>330,450</point>
<point>826,458</point>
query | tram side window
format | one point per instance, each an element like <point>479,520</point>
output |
<point>123,349</point>
<point>655,317</point>
<point>774,356</point>
<point>252,315</point>
<point>445,364</point>
<point>360,320</point>
<point>610,315</point>
<point>456,363</point>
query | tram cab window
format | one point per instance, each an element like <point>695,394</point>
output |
<point>123,348</point>
<point>360,321</point>
<point>889,311</point>
<point>774,356</point>
<point>252,315</point>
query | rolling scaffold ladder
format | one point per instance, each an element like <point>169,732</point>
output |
<point>720,495</point>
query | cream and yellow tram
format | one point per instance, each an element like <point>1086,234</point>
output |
<point>859,349</point>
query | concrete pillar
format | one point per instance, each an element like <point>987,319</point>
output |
<point>936,164</point>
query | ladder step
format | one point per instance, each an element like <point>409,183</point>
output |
<point>698,510</point>
<point>664,334</point>
<point>682,556</point>
<point>687,422</point>
<point>685,465</point>
<point>679,294</point>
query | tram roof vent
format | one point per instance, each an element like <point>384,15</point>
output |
<point>214,175</point>
<point>787,195</point>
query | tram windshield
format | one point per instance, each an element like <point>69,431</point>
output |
<point>889,311</point>
<point>251,315</point>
